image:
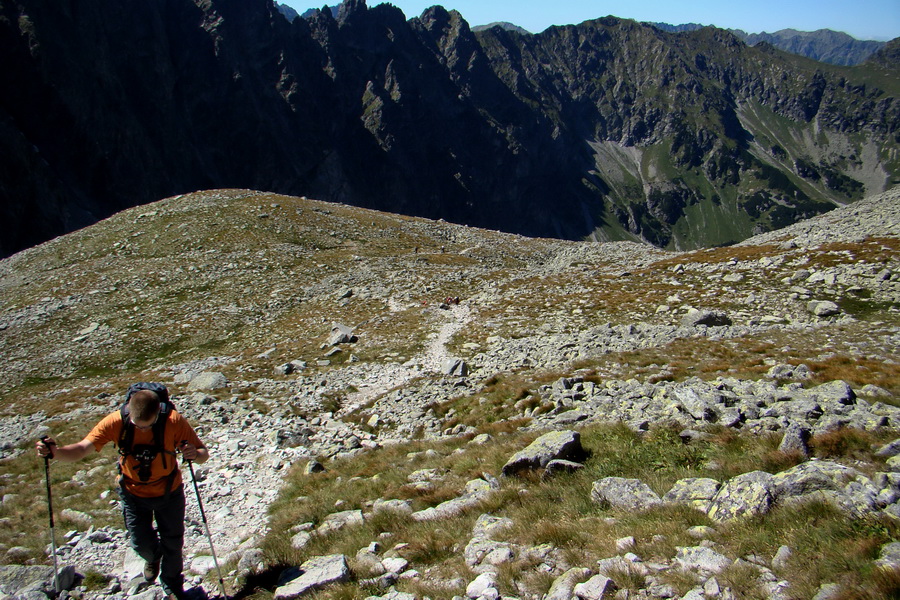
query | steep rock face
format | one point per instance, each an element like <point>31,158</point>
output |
<point>609,128</point>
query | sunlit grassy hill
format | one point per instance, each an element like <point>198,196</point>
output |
<point>243,283</point>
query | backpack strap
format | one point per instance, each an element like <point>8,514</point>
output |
<point>126,436</point>
<point>159,431</point>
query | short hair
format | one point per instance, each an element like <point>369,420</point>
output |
<point>144,405</point>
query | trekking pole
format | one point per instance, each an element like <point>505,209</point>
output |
<point>50,511</point>
<point>206,525</point>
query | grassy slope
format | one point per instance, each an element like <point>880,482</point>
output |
<point>235,272</point>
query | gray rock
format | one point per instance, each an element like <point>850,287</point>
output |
<point>341,334</point>
<point>339,520</point>
<point>811,477</point>
<point>823,308</point>
<point>300,540</point>
<point>828,591</point>
<point>745,495</point>
<point>699,408</point>
<point>889,449</point>
<point>710,318</point>
<point>314,574</point>
<point>699,558</point>
<point>789,372</point>
<point>595,588</point>
<point>556,445</point>
<point>873,391</point>
<point>837,391</point>
<point>394,595</point>
<point>400,506</point>
<point>313,466</point>
<point>483,555</point>
<point>889,556</point>
<point>693,491</point>
<point>455,367</point>
<point>795,439</point>
<point>481,584</point>
<point>555,467</point>
<point>16,580</point>
<point>207,381</point>
<point>564,585</point>
<point>781,558</point>
<point>488,525</point>
<point>624,494</point>
<point>476,491</point>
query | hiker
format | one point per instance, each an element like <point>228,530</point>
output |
<point>148,432</point>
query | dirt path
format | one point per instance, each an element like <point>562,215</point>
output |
<point>379,379</point>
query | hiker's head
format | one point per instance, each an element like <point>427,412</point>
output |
<point>144,408</point>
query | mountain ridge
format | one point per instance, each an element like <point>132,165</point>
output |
<point>825,45</point>
<point>606,130</point>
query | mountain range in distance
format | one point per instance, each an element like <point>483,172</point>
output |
<point>825,45</point>
<point>606,130</point>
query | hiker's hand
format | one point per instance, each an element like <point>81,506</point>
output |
<point>188,451</point>
<point>45,447</point>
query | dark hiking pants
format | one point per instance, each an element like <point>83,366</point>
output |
<point>164,543</point>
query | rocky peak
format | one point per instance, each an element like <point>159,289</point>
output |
<point>573,132</point>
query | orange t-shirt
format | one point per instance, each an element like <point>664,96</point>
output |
<point>177,430</point>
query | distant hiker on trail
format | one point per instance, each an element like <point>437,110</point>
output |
<point>148,432</point>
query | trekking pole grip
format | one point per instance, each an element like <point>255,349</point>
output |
<point>48,446</point>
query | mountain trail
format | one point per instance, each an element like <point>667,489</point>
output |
<point>380,379</point>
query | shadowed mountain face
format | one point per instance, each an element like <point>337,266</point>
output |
<point>608,129</point>
<point>826,45</point>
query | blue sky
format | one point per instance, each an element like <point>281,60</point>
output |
<point>863,19</point>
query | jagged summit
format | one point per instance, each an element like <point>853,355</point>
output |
<point>607,130</point>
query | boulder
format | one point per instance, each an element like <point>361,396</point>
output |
<point>476,491</point>
<point>556,445</point>
<point>837,391</point>
<point>743,496</point>
<point>624,494</point>
<point>595,588</point>
<point>481,584</point>
<point>455,367</point>
<point>710,318</point>
<point>693,491</point>
<point>890,556</point>
<point>19,581</point>
<point>555,467</point>
<point>339,520</point>
<point>207,381</point>
<point>699,408</point>
<point>701,559</point>
<point>795,439</point>
<point>314,574</point>
<point>341,334</point>
<point>823,308</point>
<point>564,586</point>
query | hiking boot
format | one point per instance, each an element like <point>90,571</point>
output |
<point>151,570</point>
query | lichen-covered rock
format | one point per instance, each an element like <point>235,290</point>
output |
<point>556,445</point>
<point>624,494</point>
<point>812,476</point>
<point>694,491</point>
<point>742,496</point>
